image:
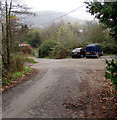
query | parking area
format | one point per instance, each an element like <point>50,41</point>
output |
<point>63,88</point>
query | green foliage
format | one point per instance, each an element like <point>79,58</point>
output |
<point>111,71</point>
<point>30,60</point>
<point>106,13</point>
<point>35,52</point>
<point>66,35</point>
<point>27,69</point>
<point>46,48</point>
<point>34,38</point>
<point>13,76</point>
<point>59,52</point>
<point>73,35</point>
<point>109,48</point>
<point>94,32</point>
<point>16,75</point>
<point>6,82</point>
<point>16,63</point>
<point>30,36</point>
<point>23,33</point>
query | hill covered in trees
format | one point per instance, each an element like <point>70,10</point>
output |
<point>46,16</point>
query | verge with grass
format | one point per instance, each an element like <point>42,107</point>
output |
<point>13,76</point>
<point>30,60</point>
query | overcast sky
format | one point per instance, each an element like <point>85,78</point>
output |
<point>61,5</point>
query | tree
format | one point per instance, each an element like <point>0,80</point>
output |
<point>48,31</point>
<point>34,38</point>
<point>9,18</point>
<point>24,30</point>
<point>106,13</point>
<point>93,32</point>
<point>65,35</point>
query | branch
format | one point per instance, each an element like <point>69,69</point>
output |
<point>23,12</point>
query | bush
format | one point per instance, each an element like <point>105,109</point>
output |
<point>111,71</point>
<point>109,49</point>
<point>34,38</point>
<point>58,52</point>
<point>46,48</point>
<point>16,64</point>
<point>26,48</point>
<point>30,60</point>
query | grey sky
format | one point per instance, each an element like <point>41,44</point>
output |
<point>62,6</point>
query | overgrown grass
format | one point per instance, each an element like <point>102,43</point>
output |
<point>16,68</point>
<point>16,75</point>
<point>13,76</point>
<point>30,60</point>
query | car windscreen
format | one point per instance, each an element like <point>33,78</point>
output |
<point>76,50</point>
<point>91,48</point>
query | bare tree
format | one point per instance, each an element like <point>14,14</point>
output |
<point>10,10</point>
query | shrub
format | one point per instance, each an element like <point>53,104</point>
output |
<point>16,64</point>
<point>26,48</point>
<point>59,52</point>
<point>30,60</point>
<point>46,48</point>
<point>111,71</point>
<point>109,49</point>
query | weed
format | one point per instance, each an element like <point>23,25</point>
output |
<point>13,76</point>
<point>111,71</point>
<point>30,60</point>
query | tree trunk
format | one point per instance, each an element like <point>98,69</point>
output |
<point>7,38</point>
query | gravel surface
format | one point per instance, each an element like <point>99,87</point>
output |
<point>63,88</point>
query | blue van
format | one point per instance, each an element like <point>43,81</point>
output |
<point>93,50</point>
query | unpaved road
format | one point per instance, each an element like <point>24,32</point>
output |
<point>67,88</point>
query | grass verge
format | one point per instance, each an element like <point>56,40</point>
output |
<point>30,60</point>
<point>13,76</point>
<point>16,75</point>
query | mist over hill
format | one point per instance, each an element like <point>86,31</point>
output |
<point>44,17</point>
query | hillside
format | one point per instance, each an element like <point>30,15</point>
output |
<point>47,16</point>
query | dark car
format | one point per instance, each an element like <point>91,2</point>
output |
<point>93,50</point>
<point>78,52</point>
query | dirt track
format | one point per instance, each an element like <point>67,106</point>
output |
<point>67,88</point>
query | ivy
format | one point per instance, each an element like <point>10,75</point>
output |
<point>111,71</point>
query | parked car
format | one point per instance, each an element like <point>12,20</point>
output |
<point>78,52</point>
<point>93,50</point>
